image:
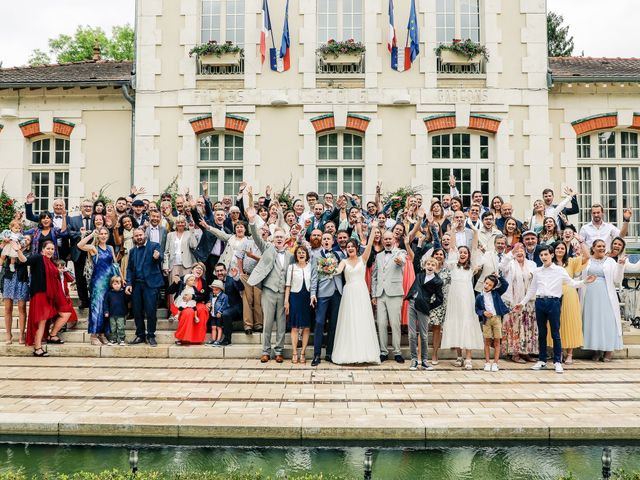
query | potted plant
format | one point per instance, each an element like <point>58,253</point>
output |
<point>219,54</point>
<point>462,52</point>
<point>341,52</point>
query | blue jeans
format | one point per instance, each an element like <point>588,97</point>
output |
<point>327,307</point>
<point>548,310</point>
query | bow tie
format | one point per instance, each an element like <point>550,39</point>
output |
<point>388,252</point>
<point>58,217</point>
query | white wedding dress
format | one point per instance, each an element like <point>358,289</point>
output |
<point>356,339</point>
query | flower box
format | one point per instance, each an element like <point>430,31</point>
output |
<point>222,60</point>
<point>450,57</point>
<point>342,58</point>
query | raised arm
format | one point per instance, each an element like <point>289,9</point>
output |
<point>83,244</point>
<point>367,250</point>
<point>626,218</point>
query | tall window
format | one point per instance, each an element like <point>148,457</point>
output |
<point>340,163</point>
<point>340,20</point>
<point>466,157</point>
<point>220,164</point>
<point>457,19</point>
<point>222,21</point>
<point>49,171</point>
<point>609,175</point>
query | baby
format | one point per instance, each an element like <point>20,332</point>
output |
<point>185,298</point>
<point>13,234</point>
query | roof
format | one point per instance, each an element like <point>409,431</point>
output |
<point>77,74</point>
<point>566,69</point>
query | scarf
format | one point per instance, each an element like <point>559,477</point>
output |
<point>52,276</point>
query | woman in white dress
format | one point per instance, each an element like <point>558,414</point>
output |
<point>356,339</point>
<point>462,329</point>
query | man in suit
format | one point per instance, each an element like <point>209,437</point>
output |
<point>464,235</point>
<point>210,247</point>
<point>79,226</point>
<point>327,290</point>
<point>144,275</point>
<point>233,290</point>
<point>387,293</point>
<point>271,271</point>
<point>64,248</point>
<point>317,220</point>
<point>155,232</point>
<point>490,261</point>
<point>549,206</point>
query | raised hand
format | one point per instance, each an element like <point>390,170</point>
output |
<point>626,216</point>
<point>205,187</point>
<point>452,180</point>
<point>267,191</point>
<point>622,259</point>
<point>30,197</point>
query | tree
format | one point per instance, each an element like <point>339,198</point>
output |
<point>80,45</point>
<point>559,43</point>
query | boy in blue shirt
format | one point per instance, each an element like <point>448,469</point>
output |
<point>115,309</point>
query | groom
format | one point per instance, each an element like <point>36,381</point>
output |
<point>387,293</point>
<point>328,292</point>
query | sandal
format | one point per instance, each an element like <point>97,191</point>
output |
<point>458,362</point>
<point>40,353</point>
<point>55,340</point>
<point>103,339</point>
<point>569,360</point>
<point>518,359</point>
<point>294,358</point>
<point>9,340</point>
<point>23,339</point>
<point>95,342</point>
<point>302,359</point>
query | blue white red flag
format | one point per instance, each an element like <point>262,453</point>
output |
<point>266,31</point>
<point>392,44</point>
<point>412,51</point>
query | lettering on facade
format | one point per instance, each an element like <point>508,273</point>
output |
<point>317,96</point>
<point>463,95</point>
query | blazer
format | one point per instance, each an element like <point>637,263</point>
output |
<point>188,243</point>
<point>233,290</point>
<point>387,275</point>
<point>201,294</point>
<point>323,286</point>
<point>425,292</point>
<point>498,304</point>
<point>468,235</point>
<point>323,219</point>
<point>152,268</point>
<point>74,224</point>
<point>222,304</point>
<point>490,263</point>
<point>268,270</point>
<point>65,246</point>
<point>163,236</point>
<point>206,243</point>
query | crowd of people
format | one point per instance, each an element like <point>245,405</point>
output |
<point>355,273</point>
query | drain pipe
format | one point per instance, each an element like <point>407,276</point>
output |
<point>132,101</point>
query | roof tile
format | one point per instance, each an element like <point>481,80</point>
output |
<point>595,68</point>
<point>100,72</point>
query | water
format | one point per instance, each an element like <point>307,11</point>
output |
<point>444,462</point>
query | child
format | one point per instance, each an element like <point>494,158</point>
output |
<point>427,286</point>
<point>115,309</point>
<point>490,309</point>
<point>13,234</point>
<point>185,299</point>
<point>65,279</point>
<point>219,302</point>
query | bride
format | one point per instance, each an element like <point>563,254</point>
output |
<point>356,339</point>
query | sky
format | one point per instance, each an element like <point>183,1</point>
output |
<point>22,30</point>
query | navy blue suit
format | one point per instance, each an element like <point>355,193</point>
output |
<point>233,311</point>
<point>144,275</point>
<point>498,304</point>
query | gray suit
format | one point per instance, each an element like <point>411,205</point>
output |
<point>386,287</point>
<point>272,274</point>
<point>162,234</point>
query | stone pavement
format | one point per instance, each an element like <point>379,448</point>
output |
<point>239,398</point>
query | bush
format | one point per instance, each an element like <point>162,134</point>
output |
<point>7,209</point>
<point>125,475</point>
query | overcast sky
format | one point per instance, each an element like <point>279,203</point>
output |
<point>600,28</point>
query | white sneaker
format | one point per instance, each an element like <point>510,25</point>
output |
<point>110,343</point>
<point>123,343</point>
<point>539,365</point>
<point>12,267</point>
<point>468,365</point>
<point>487,367</point>
<point>559,368</point>
<point>494,367</point>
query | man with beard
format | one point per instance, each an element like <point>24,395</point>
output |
<point>342,238</point>
<point>317,220</point>
<point>121,206</point>
<point>315,242</point>
<point>59,211</point>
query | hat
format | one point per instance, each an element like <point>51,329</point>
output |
<point>137,203</point>
<point>529,232</point>
<point>234,209</point>
<point>217,284</point>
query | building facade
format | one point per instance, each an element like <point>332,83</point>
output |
<point>511,125</point>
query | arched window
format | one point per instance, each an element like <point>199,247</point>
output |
<point>466,156</point>
<point>608,173</point>
<point>220,163</point>
<point>340,163</point>
<point>222,21</point>
<point>340,20</point>
<point>49,171</point>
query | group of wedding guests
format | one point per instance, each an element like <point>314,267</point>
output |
<point>473,275</point>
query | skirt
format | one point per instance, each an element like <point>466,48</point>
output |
<point>15,290</point>
<point>41,309</point>
<point>300,309</point>
<point>190,331</point>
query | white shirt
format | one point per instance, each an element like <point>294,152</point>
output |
<point>280,258</point>
<point>606,232</point>
<point>177,250</point>
<point>154,234</point>
<point>548,281</point>
<point>488,303</point>
<point>297,276</point>
<point>428,277</point>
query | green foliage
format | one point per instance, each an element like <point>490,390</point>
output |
<point>284,197</point>
<point>336,48</point>
<point>559,43</point>
<point>125,475</point>
<point>79,46</point>
<point>214,48</point>
<point>468,48</point>
<point>398,199</point>
<point>7,209</point>
<point>172,189</point>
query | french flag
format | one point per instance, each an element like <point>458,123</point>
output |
<point>285,50</point>
<point>266,31</point>
<point>392,44</point>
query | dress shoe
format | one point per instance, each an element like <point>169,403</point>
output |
<point>328,358</point>
<point>136,341</point>
<point>384,358</point>
<point>83,306</point>
<point>279,359</point>
<point>264,359</point>
<point>316,361</point>
<point>257,329</point>
<point>224,343</point>
<point>248,331</point>
<point>399,359</point>
<point>152,342</point>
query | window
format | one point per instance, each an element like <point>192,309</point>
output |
<point>456,145</point>
<point>468,179</point>
<point>339,20</point>
<point>221,157</point>
<point>49,171</point>
<point>614,182</point>
<point>222,21</point>
<point>336,151</point>
<point>457,19</point>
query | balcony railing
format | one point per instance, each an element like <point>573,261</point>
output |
<point>220,70</point>
<point>470,69</point>
<point>338,69</point>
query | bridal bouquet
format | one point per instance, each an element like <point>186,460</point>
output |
<point>327,266</point>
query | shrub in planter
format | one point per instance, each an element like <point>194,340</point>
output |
<point>468,49</point>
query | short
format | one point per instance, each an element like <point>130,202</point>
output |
<point>492,328</point>
<point>215,321</point>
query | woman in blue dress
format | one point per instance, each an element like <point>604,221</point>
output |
<point>601,321</point>
<point>104,267</point>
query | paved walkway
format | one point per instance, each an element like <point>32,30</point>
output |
<point>231,398</point>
